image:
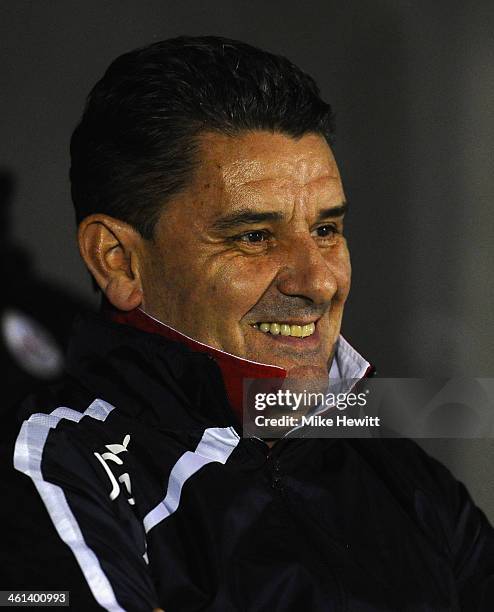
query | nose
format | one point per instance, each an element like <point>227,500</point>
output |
<point>306,273</point>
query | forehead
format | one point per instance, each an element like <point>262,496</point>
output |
<point>263,162</point>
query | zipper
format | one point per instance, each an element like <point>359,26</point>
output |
<point>274,467</point>
<point>275,472</point>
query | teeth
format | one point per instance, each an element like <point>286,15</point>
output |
<point>298,331</point>
<point>274,328</point>
<point>308,330</point>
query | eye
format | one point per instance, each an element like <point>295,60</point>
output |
<point>253,237</point>
<point>326,231</point>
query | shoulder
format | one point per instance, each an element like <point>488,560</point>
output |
<point>439,503</point>
<point>68,444</point>
<point>60,427</point>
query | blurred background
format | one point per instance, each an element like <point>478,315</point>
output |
<point>412,85</point>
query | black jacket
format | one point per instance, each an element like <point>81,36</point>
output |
<point>139,460</point>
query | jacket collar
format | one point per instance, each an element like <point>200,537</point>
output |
<point>347,365</point>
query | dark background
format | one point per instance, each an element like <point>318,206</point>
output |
<point>412,84</point>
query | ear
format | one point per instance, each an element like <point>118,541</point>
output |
<point>111,251</point>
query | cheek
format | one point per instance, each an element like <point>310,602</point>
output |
<point>346,271</point>
<point>242,283</point>
<point>339,262</point>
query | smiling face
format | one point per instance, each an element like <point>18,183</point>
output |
<point>250,258</point>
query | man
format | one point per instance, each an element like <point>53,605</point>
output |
<point>210,213</point>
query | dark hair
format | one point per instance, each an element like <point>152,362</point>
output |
<point>136,143</point>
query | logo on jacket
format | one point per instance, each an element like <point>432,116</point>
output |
<point>114,450</point>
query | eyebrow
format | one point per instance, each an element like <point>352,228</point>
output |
<point>248,216</point>
<point>333,212</point>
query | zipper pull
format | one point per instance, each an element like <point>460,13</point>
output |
<point>275,470</point>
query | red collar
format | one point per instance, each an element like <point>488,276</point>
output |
<point>234,369</point>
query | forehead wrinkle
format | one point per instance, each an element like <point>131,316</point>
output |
<point>269,178</point>
<point>283,192</point>
<point>302,170</point>
<point>274,188</point>
<point>241,181</point>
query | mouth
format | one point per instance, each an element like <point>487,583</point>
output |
<point>301,338</point>
<point>286,329</point>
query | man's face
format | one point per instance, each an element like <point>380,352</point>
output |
<point>256,240</point>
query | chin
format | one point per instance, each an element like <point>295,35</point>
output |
<point>307,379</point>
<point>307,372</point>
